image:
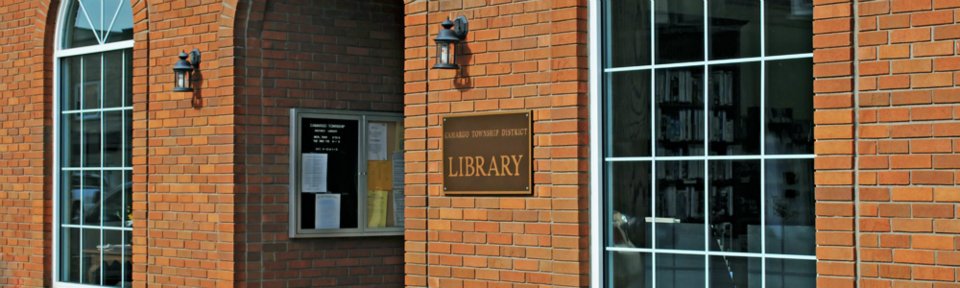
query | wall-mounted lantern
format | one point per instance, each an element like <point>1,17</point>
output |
<point>448,38</point>
<point>183,71</point>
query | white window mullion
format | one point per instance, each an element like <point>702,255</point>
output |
<point>83,147</point>
<point>112,46</point>
<point>706,142</point>
<point>653,139</point>
<point>763,147</point>
<point>103,118</point>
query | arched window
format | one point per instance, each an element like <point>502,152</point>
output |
<point>92,111</point>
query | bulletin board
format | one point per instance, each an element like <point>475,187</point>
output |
<point>346,173</point>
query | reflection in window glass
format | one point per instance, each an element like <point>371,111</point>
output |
<point>630,45</point>
<point>630,269</point>
<point>789,27</point>
<point>735,205</point>
<point>790,207</point>
<point>679,118</point>
<point>728,271</point>
<point>629,210</point>
<point>680,203</point>
<point>680,271</point>
<point>784,273</point>
<point>734,29</point>
<point>679,28</point>
<point>789,107</point>
<point>629,114</point>
<point>734,121</point>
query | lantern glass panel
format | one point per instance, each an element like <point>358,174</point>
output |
<point>181,79</point>
<point>444,53</point>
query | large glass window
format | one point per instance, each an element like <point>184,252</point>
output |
<point>707,143</point>
<point>93,123</point>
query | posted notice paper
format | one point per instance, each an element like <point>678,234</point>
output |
<point>313,177</point>
<point>376,141</point>
<point>328,211</point>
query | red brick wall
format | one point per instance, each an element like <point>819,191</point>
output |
<point>906,151</point>
<point>185,197</point>
<point>833,102</point>
<point>522,55</point>
<point>342,55</point>
<point>25,154</point>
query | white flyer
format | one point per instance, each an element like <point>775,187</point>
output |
<point>328,211</point>
<point>313,175</point>
<point>377,141</point>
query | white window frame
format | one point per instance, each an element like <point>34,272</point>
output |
<point>597,160</point>
<point>59,53</point>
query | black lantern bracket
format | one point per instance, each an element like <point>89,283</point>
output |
<point>461,26</point>
<point>195,58</point>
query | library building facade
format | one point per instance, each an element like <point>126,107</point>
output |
<point>480,143</point>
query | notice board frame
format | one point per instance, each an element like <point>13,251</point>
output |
<point>294,186</point>
<point>528,161</point>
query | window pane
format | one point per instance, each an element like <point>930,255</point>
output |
<point>127,78</point>
<point>790,207</point>
<point>789,107</point>
<point>70,75</point>
<point>127,260</point>
<point>629,208</point>
<point>384,160</point>
<point>70,144</point>
<point>679,31</point>
<point>91,139</point>
<point>112,260</point>
<point>127,138</point>
<point>735,109</point>
<point>783,273</point>
<point>114,198</point>
<point>90,257</point>
<point>113,70</point>
<point>734,29</point>
<point>628,26</point>
<point>83,195</point>
<point>789,26</point>
<point>80,30</point>
<point>91,81</point>
<point>679,206</point>
<point>735,206</point>
<point>127,201</point>
<point>679,116</point>
<point>628,114</point>
<point>88,194</point>
<point>121,27</point>
<point>680,271</point>
<point>114,139</point>
<point>740,272</point>
<point>69,254</point>
<point>629,270</point>
<point>70,201</point>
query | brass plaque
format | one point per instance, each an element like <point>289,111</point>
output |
<point>487,154</point>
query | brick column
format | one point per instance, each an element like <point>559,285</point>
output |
<point>523,55</point>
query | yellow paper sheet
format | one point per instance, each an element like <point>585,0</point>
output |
<point>380,175</point>
<point>377,208</point>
